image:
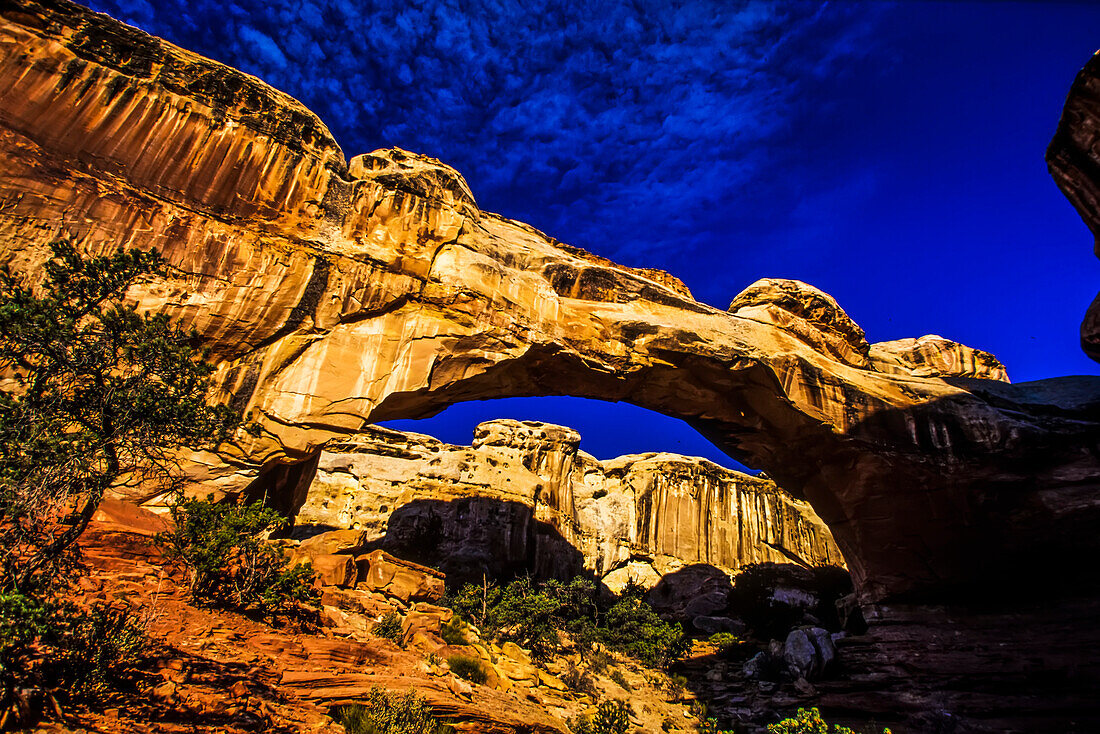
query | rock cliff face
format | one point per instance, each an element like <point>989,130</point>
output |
<point>523,497</point>
<point>335,295</point>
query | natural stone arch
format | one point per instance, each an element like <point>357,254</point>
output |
<point>334,295</point>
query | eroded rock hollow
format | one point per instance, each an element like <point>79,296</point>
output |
<point>335,294</point>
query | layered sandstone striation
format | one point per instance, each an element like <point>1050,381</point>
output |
<point>336,295</point>
<point>523,497</point>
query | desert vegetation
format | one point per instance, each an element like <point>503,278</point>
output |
<point>386,713</point>
<point>94,392</point>
<point>544,617</point>
<point>230,564</point>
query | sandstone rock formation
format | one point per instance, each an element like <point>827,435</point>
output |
<point>1073,159</point>
<point>524,498</point>
<point>335,295</point>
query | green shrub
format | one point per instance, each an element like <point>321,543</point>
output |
<point>26,621</point>
<point>389,627</point>
<point>612,717</point>
<point>620,679</point>
<point>468,667</point>
<point>454,632</point>
<point>518,612</point>
<point>732,647</point>
<point>95,652</point>
<point>599,661</point>
<point>809,722</point>
<point>710,726</point>
<point>383,713</point>
<point>231,566</point>
<point>578,680</point>
<point>633,628</point>
<point>80,655</point>
<point>532,615</point>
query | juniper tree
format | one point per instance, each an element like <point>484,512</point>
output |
<point>91,392</point>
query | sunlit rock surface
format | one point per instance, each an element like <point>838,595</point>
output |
<point>334,296</point>
<point>524,497</point>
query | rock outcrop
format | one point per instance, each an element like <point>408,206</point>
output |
<point>524,498</point>
<point>1073,159</point>
<point>334,296</point>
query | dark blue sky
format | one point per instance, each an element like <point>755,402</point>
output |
<point>890,154</point>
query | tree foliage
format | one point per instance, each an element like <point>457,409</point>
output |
<point>93,392</point>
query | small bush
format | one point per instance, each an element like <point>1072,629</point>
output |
<point>533,615</point>
<point>809,722</point>
<point>454,632</point>
<point>231,566</point>
<point>96,652</point>
<point>23,620</point>
<point>723,641</point>
<point>578,680</point>
<point>79,655</point>
<point>389,627</point>
<point>620,679</point>
<point>710,726</point>
<point>384,713</point>
<point>635,629</point>
<point>612,717</point>
<point>599,661</point>
<point>470,668</point>
<point>731,647</point>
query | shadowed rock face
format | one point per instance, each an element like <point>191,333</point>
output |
<point>1073,159</point>
<point>635,517</point>
<point>335,296</point>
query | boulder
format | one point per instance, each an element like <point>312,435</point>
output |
<point>401,580</point>
<point>334,541</point>
<point>425,621</point>
<point>333,569</point>
<point>714,625</point>
<point>808,652</point>
<point>932,355</point>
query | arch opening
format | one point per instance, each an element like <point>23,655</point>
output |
<point>607,430</point>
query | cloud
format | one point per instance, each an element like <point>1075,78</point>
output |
<point>635,130</point>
